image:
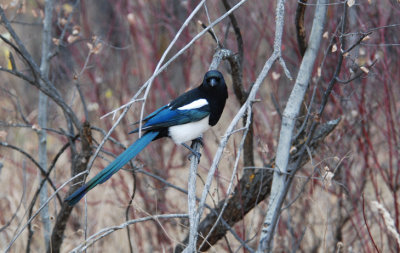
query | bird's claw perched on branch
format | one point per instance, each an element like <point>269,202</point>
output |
<point>192,148</point>
<point>196,154</point>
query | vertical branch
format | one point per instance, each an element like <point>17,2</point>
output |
<point>79,163</point>
<point>288,122</point>
<point>194,214</point>
<point>236,63</point>
<point>300,27</point>
<point>42,113</point>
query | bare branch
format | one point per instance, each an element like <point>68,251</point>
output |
<point>42,171</point>
<point>46,87</point>
<point>40,208</point>
<point>300,26</point>
<point>106,231</point>
<point>288,121</point>
<point>42,113</point>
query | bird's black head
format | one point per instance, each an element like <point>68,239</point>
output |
<point>213,79</point>
<point>215,91</point>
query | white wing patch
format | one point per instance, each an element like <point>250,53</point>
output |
<point>194,105</point>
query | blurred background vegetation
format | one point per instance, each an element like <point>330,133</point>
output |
<point>103,51</point>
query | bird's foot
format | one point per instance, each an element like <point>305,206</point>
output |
<point>194,152</point>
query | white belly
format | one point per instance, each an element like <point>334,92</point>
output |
<point>189,131</point>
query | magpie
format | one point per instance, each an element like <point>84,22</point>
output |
<point>183,119</point>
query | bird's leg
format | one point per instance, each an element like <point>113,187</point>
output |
<point>194,152</point>
<point>199,140</point>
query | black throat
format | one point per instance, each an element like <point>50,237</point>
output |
<point>216,98</point>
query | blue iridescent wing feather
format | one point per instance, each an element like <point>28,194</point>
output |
<point>168,117</point>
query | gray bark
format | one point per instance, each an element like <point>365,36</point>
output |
<point>288,122</point>
<point>42,115</point>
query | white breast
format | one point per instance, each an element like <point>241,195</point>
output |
<point>189,131</point>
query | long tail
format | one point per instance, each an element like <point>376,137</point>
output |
<point>113,167</point>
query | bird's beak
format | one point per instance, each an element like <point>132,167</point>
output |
<point>213,82</point>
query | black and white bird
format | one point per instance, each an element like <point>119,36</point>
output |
<point>184,119</point>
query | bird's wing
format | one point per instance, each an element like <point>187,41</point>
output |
<point>151,115</point>
<point>166,117</point>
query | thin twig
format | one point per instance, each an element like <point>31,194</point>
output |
<point>40,208</point>
<point>106,231</point>
<point>42,171</point>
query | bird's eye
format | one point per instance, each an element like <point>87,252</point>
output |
<point>213,78</point>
